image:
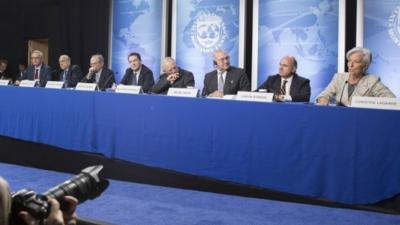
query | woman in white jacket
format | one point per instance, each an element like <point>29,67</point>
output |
<point>356,82</point>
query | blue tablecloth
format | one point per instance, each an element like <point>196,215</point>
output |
<point>346,155</point>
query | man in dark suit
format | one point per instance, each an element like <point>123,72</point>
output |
<point>173,76</point>
<point>226,79</point>
<point>70,74</point>
<point>102,76</point>
<point>37,70</point>
<point>137,73</point>
<point>287,85</point>
<point>3,68</point>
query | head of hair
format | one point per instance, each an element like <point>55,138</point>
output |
<point>367,55</point>
<point>100,57</point>
<point>135,54</point>
<point>65,57</point>
<point>4,61</point>
<point>38,52</point>
<point>5,202</point>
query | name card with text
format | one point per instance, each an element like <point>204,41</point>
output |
<point>129,89</point>
<point>375,103</point>
<point>183,92</point>
<point>28,83</point>
<point>254,96</point>
<point>55,84</point>
<point>86,86</point>
<point>4,82</point>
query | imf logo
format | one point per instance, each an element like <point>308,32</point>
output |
<point>394,26</point>
<point>208,32</point>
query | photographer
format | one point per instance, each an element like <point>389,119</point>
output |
<point>56,216</point>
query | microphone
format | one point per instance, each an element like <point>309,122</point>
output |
<point>105,83</point>
<point>341,95</point>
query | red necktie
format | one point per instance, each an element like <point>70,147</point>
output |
<point>36,74</point>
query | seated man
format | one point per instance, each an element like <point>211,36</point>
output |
<point>99,74</point>
<point>56,216</point>
<point>226,79</point>
<point>287,85</point>
<point>3,68</point>
<point>138,73</point>
<point>37,70</point>
<point>173,76</point>
<point>356,82</point>
<point>70,74</point>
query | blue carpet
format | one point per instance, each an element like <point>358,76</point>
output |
<point>125,203</point>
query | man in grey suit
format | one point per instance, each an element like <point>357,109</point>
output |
<point>226,79</point>
<point>173,76</point>
<point>37,70</point>
<point>70,74</point>
<point>287,85</point>
<point>137,73</point>
<point>99,74</point>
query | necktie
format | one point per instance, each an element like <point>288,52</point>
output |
<point>36,74</point>
<point>134,79</point>
<point>220,82</point>
<point>64,76</point>
<point>283,87</point>
<point>97,77</point>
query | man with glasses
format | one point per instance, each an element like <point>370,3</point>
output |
<point>225,79</point>
<point>37,70</point>
<point>70,74</point>
<point>173,76</point>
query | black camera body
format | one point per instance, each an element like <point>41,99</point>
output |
<point>86,185</point>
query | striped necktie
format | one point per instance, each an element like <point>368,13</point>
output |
<point>283,87</point>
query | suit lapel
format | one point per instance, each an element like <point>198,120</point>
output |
<point>361,88</point>
<point>226,82</point>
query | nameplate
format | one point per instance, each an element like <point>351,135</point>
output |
<point>183,92</point>
<point>375,103</point>
<point>129,89</point>
<point>28,83</point>
<point>254,96</point>
<point>86,86</point>
<point>55,84</point>
<point>4,82</point>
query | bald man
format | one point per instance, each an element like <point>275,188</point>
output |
<point>287,85</point>
<point>173,76</point>
<point>225,79</point>
<point>99,74</point>
<point>70,74</point>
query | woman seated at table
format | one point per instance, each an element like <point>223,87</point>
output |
<point>355,82</point>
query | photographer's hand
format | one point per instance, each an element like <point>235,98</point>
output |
<point>70,214</point>
<point>56,216</point>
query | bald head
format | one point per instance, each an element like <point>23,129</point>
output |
<point>64,61</point>
<point>287,66</point>
<point>221,59</point>
<point>169,66</point>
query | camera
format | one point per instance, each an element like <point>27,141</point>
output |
<point>86,185</point>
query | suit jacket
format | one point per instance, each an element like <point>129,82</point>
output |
<point>73,76</point>
<point>146,79</point>
<point>106,79</point>
<point>236,80</point>
<point>300,90</point>
<point>44,74</point>
<point>185,79</point>
<point>368,85</point>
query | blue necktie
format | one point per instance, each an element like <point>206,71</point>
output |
<point>134,79</point>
